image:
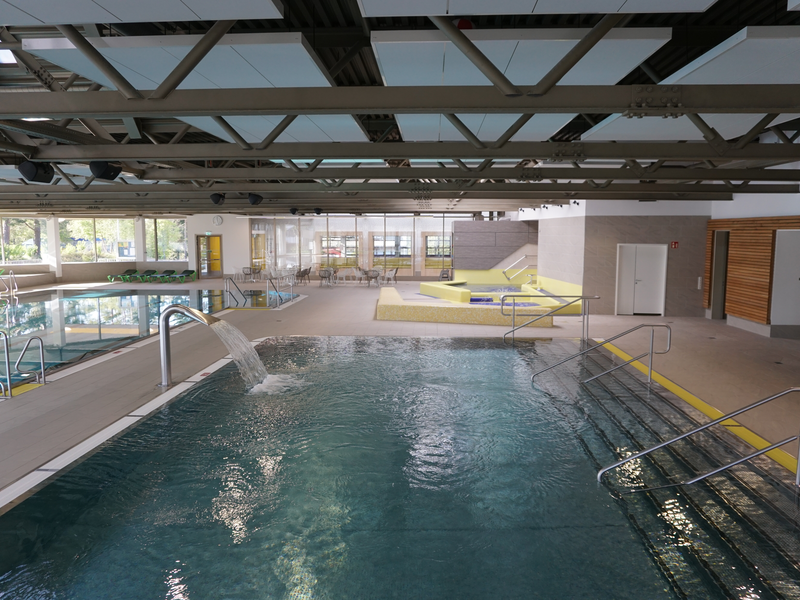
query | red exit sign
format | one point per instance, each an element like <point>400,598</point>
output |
<point>673,245</point>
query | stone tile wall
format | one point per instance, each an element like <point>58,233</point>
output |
<point>481,245</point>
<point>684,264</point>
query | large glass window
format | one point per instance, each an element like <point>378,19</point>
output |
<point>23,240</point>
<point>437,246</point>
<point>77,240</point>
<point>96,240</point>
<point>115,240</point>
<point>166,239</point>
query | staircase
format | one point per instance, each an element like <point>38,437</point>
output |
<point>734,535</point>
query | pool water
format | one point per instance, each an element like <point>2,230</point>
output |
<point>361,468</point>
<point>491,288</point>
<point>79,324</point>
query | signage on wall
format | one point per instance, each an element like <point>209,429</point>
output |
<point>674,245</point>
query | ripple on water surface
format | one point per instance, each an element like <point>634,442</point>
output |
<point>360,467</point>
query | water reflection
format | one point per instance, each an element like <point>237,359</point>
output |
<point>176,588</point>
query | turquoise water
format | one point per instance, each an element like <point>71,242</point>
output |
<point>361,468</point>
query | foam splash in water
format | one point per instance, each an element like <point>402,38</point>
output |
<point>277,384</point>
<point>250,366</point>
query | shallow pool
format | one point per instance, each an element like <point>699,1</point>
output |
<point>364,468</point>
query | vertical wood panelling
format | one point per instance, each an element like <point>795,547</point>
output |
<point>707,269</point>
<point>750,259</point>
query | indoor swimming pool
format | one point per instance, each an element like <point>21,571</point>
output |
<point>78,324</point>
<point>369,468</point>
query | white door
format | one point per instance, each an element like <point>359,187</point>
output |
<point>786,279</point>
<point>641,279</point>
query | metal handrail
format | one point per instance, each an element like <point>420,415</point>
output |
<point>519,260</point>
<point>513,315</point>
<point>13,279</point>
<point>227,289</point>
<point>619,335</point>
<point>791,390</point>
<point>7,360</point>
<point>163,330</point>
<point>43,379</point>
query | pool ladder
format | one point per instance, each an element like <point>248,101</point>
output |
<point>5,388</point>
<point>739,461</point>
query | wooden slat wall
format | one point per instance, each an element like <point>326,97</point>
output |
<point>707,270</point>
<point>750,256</point>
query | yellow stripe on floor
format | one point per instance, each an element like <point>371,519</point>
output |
<point>782,457</point>
<point>25,387</point>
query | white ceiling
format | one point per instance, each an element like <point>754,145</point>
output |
<point>755,55</point>
<point>408,8</point>
<point>59,12</point>
<point>524,56</point>
<point>238,61</point>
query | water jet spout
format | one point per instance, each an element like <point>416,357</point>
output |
<point>163,328</point>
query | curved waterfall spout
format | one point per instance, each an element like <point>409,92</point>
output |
<point>250,366</point>
<point>163,328</point>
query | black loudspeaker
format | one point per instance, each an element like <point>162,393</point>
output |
<point>317,211</point>
<point>37,171</point>
<point>102,169</point>
<point>254,199</point>
<point>218,199</point>
<point>293,211</point>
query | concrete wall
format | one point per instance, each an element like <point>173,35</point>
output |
<point>684,264</point>
<point>235,240</point>
<point>561,249</point>
<point>85,272</point>
<point>481,245</point>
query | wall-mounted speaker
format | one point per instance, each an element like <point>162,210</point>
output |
<point>218,199</point>
<point>105,170</point>
<point>254,199</point>
<point>37,171</point>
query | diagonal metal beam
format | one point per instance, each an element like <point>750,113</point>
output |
<point>465,131</point>
<point>349,56</point>
<point>573,57</point>
<point>180,133</point>
<point>279,129</point>
<point>781,135</point>
<point>192,59</point>
<point>50,131</point>
<point>473,53</point>
<point>228,128</point>
<point>99,61</point>
<point>511,131</point>
<point>132,127</point>
<point>711,135</point>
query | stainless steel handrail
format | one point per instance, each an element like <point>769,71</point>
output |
<point>163,330</point>
<point>13,279</point>
<point>611,339</point>
<point>513,315</point>
<point>791,390</point>
<point>509,267</point>
<point>7,360</point>
<point>43,379</point>
<point>227,288</point>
